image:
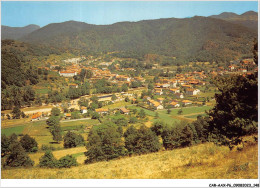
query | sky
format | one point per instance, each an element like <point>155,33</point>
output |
<point>22,13</point>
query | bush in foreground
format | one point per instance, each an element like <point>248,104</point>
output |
<point>29,143</point>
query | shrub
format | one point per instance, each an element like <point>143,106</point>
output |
<point>55,111</point>
<point>29,143</point>
<point>48,160</point>
<point>180,135</point>
<point>5,143</point>
<point>158,127</point>
<point>104,143</point>
<point>133,120</point>
<point>141,141</point>
<point>72,140</point>
<point>67,162</point>
<point>95,115</point>
<point>46,147</point>
<point>18,156</point>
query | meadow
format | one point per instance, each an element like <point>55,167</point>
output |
<point>202,161</point>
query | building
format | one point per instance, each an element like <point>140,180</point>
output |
<point>160,100</point>
<point>124,111</point>
<point>36,116</point>
<point>158,91</point>
<point>83,110</point>
<point>68,73</point>
<point>155,104</point>
<point>73,85</point>
<point>179,95</point>
<point>187,102</point>
<point>174,104</point>
<point>174,90</point>
<point>68,116</point>
<point>101,111</point>
<point>190,91</point>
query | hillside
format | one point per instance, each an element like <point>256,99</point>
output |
<point>204,161</point>
<point>248,19</point>
<point>17,32</point>
<point>197,38</point>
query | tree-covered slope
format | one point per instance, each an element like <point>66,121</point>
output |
<point>17,32</point>
<point>248,19</point>
<point>200,37</point>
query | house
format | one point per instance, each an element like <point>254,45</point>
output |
<point>54,66</point>
<point>146,98</point>
<point>158,91</point>
<point>36,116</point>
<point>73,85</point>
<point>190,91</point>
<point>83,110</point>
<point>174,90</point>
<point>68,73</point>
<point>124,111</point>
<point>160,100</point>
<point>101,111</point>
<point>179,95</point>
<point>187,102</point>
<point>174,104</point>
<point>68,116</point>
<point>155,104</point>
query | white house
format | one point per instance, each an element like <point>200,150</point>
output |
<point>68,73</point>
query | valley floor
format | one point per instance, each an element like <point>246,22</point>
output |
<point>204,161</point>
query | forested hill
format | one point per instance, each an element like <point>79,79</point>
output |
<point>248,19</point>
<point>202,38</point>
<point>17,32</point>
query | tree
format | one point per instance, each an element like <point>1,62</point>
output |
<point>72,140</point>
<point>236,111</point>
<point>67,162</point>
<point>55,111</point>
<point>29,143</point>
<point>127,99</point>
<point>104,143</point>
<point>180,112</point>
<point>133,120</point>
<point>124,88</point>
<point>48,160</point>
<point>142,114</point>
<point>186,137</point>
<point>120,121</point>
<point>141,141</point>
<point>56,133</point>
<point>5,143</point>
<point>52,121</point>
<point>158,127</point>
<point>150,86</point>
<point>113,98</point>
<point>95,115</point>
<point>16,112</point>
<point>18,156</point>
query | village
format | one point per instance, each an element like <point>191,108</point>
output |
<point>185,89</point>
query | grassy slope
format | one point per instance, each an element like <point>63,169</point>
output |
<point>204,161</point>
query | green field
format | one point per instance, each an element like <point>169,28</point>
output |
<point>195,116</point>
<point>42,91</point>
<point>86,122</point>
<point>17,130</point>
<point>190,110</point>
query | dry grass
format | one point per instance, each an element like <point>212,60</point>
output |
<point>204,161</point>
<point>58,154</point>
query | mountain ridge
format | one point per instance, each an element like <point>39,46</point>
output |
<point>15,33</point>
